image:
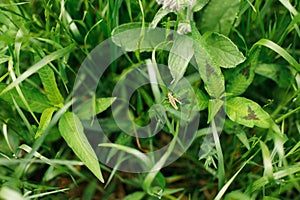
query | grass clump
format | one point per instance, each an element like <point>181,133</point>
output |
<point>223,74</point>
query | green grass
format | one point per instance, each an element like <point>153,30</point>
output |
<point>251,58</point>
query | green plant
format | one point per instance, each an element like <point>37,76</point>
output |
<point>232,63</point>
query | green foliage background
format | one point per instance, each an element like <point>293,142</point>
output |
<point>42,45</point>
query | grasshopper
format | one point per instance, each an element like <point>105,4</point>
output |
<point>173,101</point>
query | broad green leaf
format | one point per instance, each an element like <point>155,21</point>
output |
<point>278,73</point>
<point>223,51</point>
<point>237,195</point>
<point>170,191</point>
<point>202,100</point>
<point>52,92</point>
<point>128,37</point>
<point>135,196</point>
<point>210,73</point>
<point>242,136</point>
<point>72,131</point>
<point>103,103</point>
<point>45,120</point>
<point>158,16</point>
<point>268,168</point>
<point>7,193</point>
<point>37,101</point>
<point>241,77</point>
<point>248,113</point>
<point>180,55</point>
<point>214,106</point>
<point>199,5</point>
<point>214,82</point>
<point>93,107</point>
<point>219,16</point>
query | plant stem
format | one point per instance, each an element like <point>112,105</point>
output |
<point>221,170</point>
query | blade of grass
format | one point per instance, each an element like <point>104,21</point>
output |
<point>278,49</point>
<point>287,115</point>
<point>33,69</point>
<point>38,142</point>
<point>293,150</point>
<point>263,181</point>
<point>2,5</point>
<point>268,168</point>
<point>4,161</point>
<point>226,186</point>
<point>47,193</point>
<point>25,120</point>
<point>129,150</point>
<point>221,168</point>
<point>289,6</point>
<point>153,80</point>
<point>20,93</point>
<point>5,134</point>
<point>160,163</point>
<point>6,193</point>
<point>128,4</point>
<point>88,33</point>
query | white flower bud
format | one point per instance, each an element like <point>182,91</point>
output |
<point>184,28</point>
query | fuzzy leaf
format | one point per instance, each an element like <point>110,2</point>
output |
<point>180,55</point>
<point>248,113</point>
<point>223,51</point>
<point>44,120</point>
<point>210,73</point>
<point>158,16</point>
<point>214,106</point>
<point>242,76</point>
<point>71,130</point>
<point>129,37</point>
<point>93,107</point>
<point>199,5</point>
<point>37,101</point>
<point>52,92</point>
<point>202,100</point>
